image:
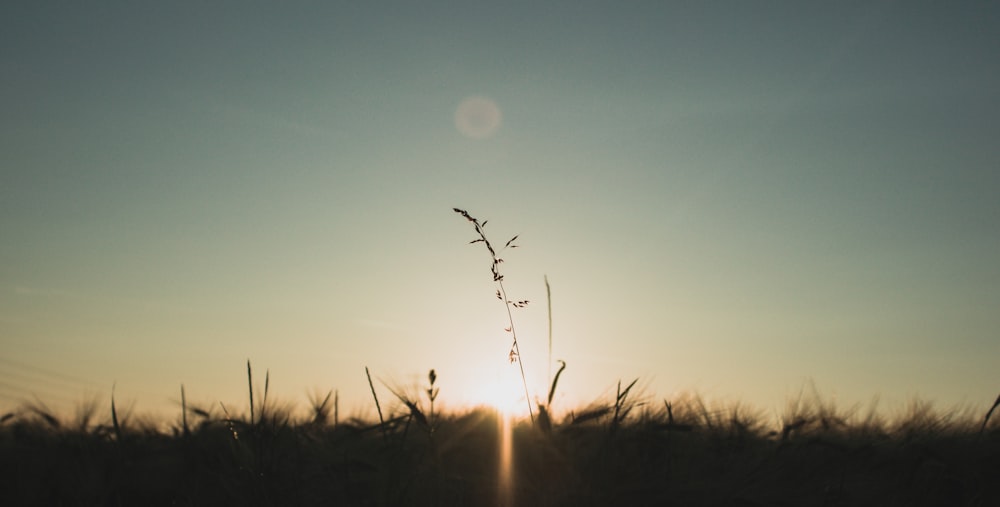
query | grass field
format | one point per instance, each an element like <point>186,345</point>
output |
<point>627,450</point>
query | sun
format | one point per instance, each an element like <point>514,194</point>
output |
<point>504,393</point>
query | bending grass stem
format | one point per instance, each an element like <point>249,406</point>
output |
<point>502,294</point>
<point>517,351</point>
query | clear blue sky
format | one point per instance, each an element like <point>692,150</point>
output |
<point>728,197</point>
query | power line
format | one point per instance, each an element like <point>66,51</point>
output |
<point>26,383</point>
<point>26,394</point>
<point>35,379</point>
<point>48,373</point>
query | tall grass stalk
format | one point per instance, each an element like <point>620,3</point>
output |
<point>621,410</point>
<point>515,351</point>
<point>432,392</point>
<point>114,416</point>
<point>378,407</point>
<point>548,298</point>
<point>184,412</point>
<point>250,383</point>
<point>230,424</point>
<point>986,419</point>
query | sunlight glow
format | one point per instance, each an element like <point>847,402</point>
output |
<point>505,394</point>
<point>505,482</point>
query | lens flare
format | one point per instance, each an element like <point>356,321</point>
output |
<point>505,395</point>
<point>478,117</point>
<point>505,480</point>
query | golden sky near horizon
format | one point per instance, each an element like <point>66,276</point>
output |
<point>725,197</point>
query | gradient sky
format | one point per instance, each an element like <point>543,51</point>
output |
<point>736,198</point>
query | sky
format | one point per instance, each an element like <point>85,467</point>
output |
<point>738,199</point>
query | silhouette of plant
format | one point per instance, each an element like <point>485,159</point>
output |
<point>515,352</point>
<point>432,392</point>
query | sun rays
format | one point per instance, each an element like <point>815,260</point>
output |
<point>505,468</point>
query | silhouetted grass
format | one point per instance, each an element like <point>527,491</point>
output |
<point>627,450</point>
<point>515,350</point>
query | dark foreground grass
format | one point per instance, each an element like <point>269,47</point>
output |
<point>622,453</point>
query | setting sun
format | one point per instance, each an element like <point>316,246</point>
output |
<point>504,392</point>
<point>716,200</point>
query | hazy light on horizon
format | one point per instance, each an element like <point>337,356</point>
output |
<point>726,198</point>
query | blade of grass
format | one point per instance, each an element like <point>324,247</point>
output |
<point>378,407</point>
<point>552,389</point>
<point>620,404</point>
<point>250,383</point>
<point>261,415</point>
<point>114,416</point>
<point>184,418</point>
<point>415,411</point>
<point>988,414</point>
<point>548,297</point>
